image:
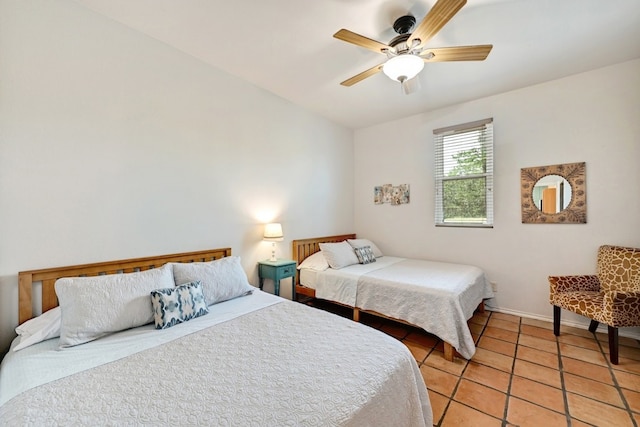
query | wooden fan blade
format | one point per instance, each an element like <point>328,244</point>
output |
<point>362,41</point>
<point>437,17</point>
<point>457,53</point>
<point>363,75</point>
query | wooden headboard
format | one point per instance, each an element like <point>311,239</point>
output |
<point>301,249</point>
<point>48,276</point>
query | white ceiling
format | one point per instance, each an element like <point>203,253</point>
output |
<point>287,48</point>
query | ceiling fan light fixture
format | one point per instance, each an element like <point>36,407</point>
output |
<point>403,67</point>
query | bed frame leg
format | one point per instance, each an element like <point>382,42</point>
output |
<point>448,352</point>
<point>356,314</point>
<point>481,307</point>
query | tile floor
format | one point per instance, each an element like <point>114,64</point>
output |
<point>523,375</point>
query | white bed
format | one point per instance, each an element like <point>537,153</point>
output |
<point>435,296</point>
<point>252,360</point>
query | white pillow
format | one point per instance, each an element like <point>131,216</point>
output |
<point>41,328</point>
<point>315,262</point>
<point>96,306</point>
<point>339,255</point>
<point>359,243</point>
<point>222,279</point>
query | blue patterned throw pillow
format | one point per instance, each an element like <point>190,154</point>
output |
<point>176,305</point>
<point>365,255</point>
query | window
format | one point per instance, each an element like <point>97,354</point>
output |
<point>464,174</point>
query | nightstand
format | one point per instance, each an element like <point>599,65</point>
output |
<point>277,270</point>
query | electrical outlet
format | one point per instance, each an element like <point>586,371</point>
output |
<point>494,286</point>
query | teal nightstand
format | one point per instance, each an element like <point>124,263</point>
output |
<point>276,271</point>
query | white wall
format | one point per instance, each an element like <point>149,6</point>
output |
<point>590,117</point>
<point>113,145</point>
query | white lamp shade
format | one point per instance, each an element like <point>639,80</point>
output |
<point>403,67</point>
<point>273,232</point>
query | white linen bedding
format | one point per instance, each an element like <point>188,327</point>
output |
<point>438,297</point>
<point>245,363</point>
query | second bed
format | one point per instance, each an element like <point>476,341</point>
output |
<point>435,296</point>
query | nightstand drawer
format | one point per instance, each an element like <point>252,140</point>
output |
<point>289,270</point>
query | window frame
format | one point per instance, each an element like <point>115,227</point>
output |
<point>486,142</point>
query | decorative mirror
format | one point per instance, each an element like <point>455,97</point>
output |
<point>554,194</point>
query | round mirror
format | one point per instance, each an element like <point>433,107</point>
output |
<point>551,194</point>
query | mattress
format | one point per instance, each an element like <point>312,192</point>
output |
<point>245,363</point>
<point>308,277</point>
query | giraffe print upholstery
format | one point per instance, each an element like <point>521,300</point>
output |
<point>611,297</point>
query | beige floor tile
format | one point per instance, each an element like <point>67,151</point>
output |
<point>488,376</point>
<point>525,414</point>
<point>590,343</point>
<point>630,342</point>
<point>436,360</point>
<point>499,346</point>
<point>485,314</point>
<point>437,380</point>
<point>507,317</point>
<point>475,328</point>
<point>583,354</point>
<point>501,334</point>
<point>503,324</point>
<point>459,415</point>
<point>578,423</point>
<point>535,331</point>
<point>419,352</point>
<point>633,399</point>
<point>493,359</point>
<point>550,360</point>
<point>631,353</point>
<point>626,341</point>
<point>540,394</point>
<point>538,343</point>
<point>537,372</point>
<point>593,389</point>
<point>479,320</point>
<point>583,332</point>
<point>476,338</point>
<point>628,380</point>
<point>628,365</point>
<point>597,413</point>
<point>587,370</point>
<point>438,405</point>
<point>537,323</point>
<point>482,398</point>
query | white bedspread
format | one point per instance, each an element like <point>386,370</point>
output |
<point>438,297</point>
<point>342,285</point>
<point>281,364</point>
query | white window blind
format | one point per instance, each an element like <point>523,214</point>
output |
<point>464,174</point>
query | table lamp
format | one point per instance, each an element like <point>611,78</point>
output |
<point>273,234</point>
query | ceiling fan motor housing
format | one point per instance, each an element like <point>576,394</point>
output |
<point>404,24</point>
<point>403,27</point>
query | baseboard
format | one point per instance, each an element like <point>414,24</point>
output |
<point>603,329</point>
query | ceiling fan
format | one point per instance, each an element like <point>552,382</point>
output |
<point>406,53</point>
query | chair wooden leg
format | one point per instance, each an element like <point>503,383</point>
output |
<point>593,326</point>
<point>556,320</point>
<point>613,345</point>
